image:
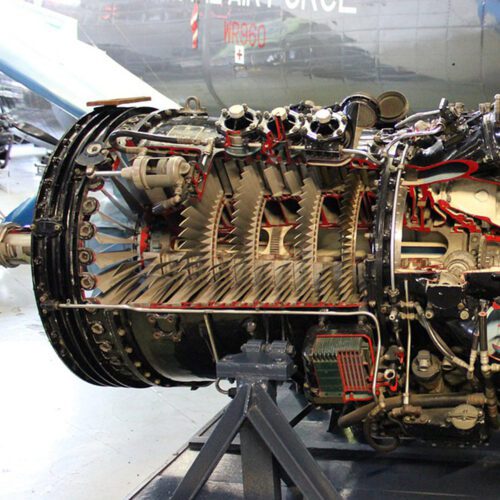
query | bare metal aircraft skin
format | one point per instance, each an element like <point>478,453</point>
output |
<point>282,50</point>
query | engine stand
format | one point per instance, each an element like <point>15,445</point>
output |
<point>270,448</point>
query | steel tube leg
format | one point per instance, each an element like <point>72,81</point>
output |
<point>215,447</point>
<point>261,479</point>
<point>288,449</point>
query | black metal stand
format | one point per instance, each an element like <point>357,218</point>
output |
<point>270,448</point>
<point>354,468</point>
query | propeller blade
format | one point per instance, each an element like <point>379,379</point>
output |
<point>37,133</point>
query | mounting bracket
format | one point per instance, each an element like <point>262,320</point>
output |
<point>270,448</point>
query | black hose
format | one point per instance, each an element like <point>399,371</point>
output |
<point>423,400</point>
<point>376,445</point>
<point>358,414</point>
<point>475,340</point>
<point>435,337</point>
<point>438,341</point>
<point>483,332</point>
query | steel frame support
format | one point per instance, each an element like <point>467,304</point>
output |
<point>270,448</point>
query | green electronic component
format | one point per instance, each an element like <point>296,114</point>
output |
<point>340,368</point>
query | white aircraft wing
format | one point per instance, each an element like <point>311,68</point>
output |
<point>40,49</point>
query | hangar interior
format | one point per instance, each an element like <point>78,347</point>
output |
<point>273,227</point>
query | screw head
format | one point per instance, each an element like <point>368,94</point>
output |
<point>464,315</point>
<point>88,282</point>
<point>90,206</point>
<point>87,230</point>
<point>85,256</point>
<point>97,328</point>
<point>158,335</point>
<point>105,346</point>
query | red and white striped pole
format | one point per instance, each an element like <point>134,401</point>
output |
<point>195,16</point>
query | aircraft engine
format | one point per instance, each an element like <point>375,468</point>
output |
<point>164,240</point>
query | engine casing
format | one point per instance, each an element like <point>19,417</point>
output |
<point>164,240</point>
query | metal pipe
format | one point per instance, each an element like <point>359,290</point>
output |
<point>422,400</point>
<point>91,173</point>
<point>127,307</point>
<point>415,117</point>
<point>359,152</point>
<point>406,396</point>
<point>162,139</point>
<point>392,249</point>
<point>411,135</point>
<point>473,354</point>
<point>210,332</point>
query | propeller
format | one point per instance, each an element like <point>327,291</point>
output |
<point>35,132</point>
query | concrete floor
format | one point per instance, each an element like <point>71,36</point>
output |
<point>61,438</point>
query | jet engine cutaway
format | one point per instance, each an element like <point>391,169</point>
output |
<point>164,240</point>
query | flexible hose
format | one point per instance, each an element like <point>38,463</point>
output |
<point>383,448</point>
<point>435,337</point>
<point>438,341</point>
